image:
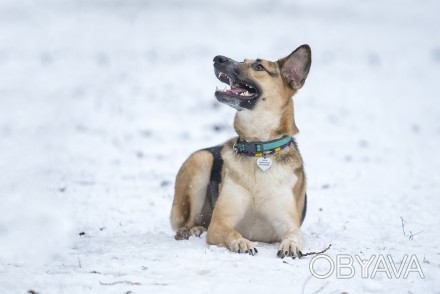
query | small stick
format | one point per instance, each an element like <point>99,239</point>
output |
<point>428,262</point>
<point>120,282</point>
<point>314,253</point>
<point>411,236</point>
<point>403,226</point>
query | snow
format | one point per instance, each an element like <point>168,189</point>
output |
<point>102,101</point>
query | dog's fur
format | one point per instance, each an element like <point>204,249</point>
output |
<point>266,206</point>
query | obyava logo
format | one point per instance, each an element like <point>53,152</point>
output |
<point>345,266</point>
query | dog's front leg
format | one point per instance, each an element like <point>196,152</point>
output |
<point>231,207</point>
<point>286,222</point>
<point>291,243</point>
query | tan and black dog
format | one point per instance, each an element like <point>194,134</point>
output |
<point>252,187</point>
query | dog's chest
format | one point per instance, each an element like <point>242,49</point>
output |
<point>275,180</point>
<point>272,190</point>
<point>260,176</point>
<point>271,193</point>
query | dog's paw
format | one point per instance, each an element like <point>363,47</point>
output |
<point>289,247</point>
<point>197,231</point>
<point>185,232</point>
<point>242,245</point>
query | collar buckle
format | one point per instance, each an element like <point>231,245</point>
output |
<point>252,147</point>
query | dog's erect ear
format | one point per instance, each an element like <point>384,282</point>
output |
<point>296,66</point>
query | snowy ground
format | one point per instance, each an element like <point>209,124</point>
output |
<point>101,102</point>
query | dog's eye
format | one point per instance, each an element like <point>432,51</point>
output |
<point>259,67</point>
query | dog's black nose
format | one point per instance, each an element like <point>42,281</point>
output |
<point>220,59</point>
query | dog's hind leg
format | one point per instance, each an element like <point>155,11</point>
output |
<point>191,208</point>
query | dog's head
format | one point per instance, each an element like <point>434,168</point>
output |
<point>254,82</point>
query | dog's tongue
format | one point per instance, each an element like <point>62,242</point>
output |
<point>237,91</point>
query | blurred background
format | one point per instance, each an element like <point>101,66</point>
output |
<point>102,100</point>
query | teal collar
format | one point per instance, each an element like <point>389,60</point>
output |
<point>262,148</point>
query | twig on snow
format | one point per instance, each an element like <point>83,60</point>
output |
<point>411,235</point>
<point>403,226</point>
<point>314,253</point>
<point>430,263</point>
<point>120,282</point>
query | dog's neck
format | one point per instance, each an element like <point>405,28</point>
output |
<point>265,124</point>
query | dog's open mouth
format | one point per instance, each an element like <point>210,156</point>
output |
<point>238,89</point>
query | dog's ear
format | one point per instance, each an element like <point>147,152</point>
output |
<point>296,66</point>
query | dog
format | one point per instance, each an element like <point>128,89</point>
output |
<point>253,187</point>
